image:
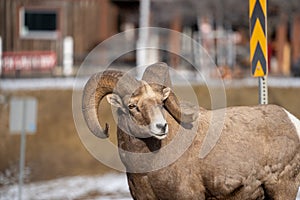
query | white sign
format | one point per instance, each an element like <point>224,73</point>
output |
<point>23,115</point>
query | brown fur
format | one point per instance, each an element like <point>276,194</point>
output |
<point>256,157</point>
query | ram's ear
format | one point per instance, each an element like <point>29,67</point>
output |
<point>166,93</point>
<point>115,100</point>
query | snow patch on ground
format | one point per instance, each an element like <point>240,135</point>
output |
<point>37,83</point>
<point>78,83</point>
<point>106,187</point>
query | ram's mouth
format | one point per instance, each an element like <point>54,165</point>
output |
<point>159,136</point>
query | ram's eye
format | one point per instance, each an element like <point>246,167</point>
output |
<point>131,106</point>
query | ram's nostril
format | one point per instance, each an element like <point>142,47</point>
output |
<point>159,126</point>
<point>162,126</point>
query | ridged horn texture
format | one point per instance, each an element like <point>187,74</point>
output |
<point>97,87</point>
<point>159,73</point>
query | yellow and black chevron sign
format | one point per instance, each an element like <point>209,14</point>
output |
<point>258,40</point>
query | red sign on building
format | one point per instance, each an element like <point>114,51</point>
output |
<point>29,60</point>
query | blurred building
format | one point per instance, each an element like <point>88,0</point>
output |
<point>220,27</point>
<point>42,25</point>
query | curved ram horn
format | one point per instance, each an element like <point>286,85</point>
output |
<point>158,73</point>
<point>97,87</point>
<point>184,113</point>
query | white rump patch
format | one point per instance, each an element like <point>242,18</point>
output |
<point>295,121</point>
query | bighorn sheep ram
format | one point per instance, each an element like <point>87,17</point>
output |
<point>256,157</point>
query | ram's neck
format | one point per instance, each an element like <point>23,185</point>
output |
<point>129,143</point>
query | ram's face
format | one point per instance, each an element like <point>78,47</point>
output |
<point>145,107</point>
<point>142,109</point>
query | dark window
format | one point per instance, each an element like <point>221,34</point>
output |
<point>40,21</point>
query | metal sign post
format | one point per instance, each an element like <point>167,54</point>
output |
<point>263,90</point>
<point>258,45</point>
<point>22,119</point>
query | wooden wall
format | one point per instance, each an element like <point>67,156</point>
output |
<point>296,39</point>
<point>88,21</point>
